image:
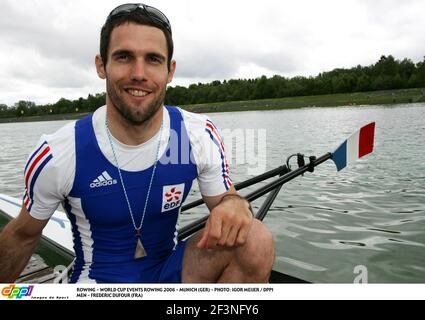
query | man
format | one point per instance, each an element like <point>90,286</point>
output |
<point>122,174</point>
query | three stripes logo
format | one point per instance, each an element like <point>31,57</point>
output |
<point>103,180</point>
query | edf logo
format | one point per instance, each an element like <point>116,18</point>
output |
<point>13,291</point>
<point>172,197</point>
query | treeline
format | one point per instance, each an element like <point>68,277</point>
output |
<point>388,73</point>
<point>29,108</point>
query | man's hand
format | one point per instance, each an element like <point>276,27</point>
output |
<point>229,223</point>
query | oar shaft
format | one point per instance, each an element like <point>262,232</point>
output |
<point>197,225</point>
<point>262,212</point>
<point>244,184</point>
<point>191,228</point>
<point>286,178</point>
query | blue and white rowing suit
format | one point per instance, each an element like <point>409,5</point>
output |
<point>90,190</point>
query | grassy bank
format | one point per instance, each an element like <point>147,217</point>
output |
<point>330,100</point>
<point>46,117</point>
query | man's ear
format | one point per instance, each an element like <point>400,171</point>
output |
<point>100,67</point>
<point>171,71</point>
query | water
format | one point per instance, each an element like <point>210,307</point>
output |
<point>325,224</point>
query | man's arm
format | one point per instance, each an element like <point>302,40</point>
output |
<point>17,243</point>
<point>229,222</point>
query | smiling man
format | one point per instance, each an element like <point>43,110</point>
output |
<point>113,175</point>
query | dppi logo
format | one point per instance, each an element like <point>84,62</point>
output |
<point>13,291</point>
<point>172,197</point>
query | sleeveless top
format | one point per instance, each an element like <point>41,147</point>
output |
<point>104,235</point>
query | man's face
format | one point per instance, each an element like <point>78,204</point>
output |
<point>136,72</point>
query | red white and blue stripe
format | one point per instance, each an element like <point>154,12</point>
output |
<point>35,165</point>
<point>355,147</point>
<point>213,133</point>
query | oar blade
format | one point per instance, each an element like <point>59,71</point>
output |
<point>356,146</point>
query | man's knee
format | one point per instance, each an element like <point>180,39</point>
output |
<point>259,247</point>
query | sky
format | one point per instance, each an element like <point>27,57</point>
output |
<point>47,47</point>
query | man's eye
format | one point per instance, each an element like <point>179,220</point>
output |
<point>123,57</point>
<point>155,59</point>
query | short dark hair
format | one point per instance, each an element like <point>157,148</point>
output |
<point>137,17</point>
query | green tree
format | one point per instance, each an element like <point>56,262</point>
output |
<point>386,66</point>
<point>62,106</point>
<point>420,73</point>
<point>406,69</point>
<point>3,110</point>
<point>22,108</point>
<point>363,83</point>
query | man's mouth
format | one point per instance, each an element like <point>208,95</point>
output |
<point>137,93</point>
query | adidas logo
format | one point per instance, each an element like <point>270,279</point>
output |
<point>103,180</point>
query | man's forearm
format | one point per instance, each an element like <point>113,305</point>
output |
<point>14,254</point>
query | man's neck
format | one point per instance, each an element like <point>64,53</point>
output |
<point>131,134</point>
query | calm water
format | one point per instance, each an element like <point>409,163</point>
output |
<point>326,223</point>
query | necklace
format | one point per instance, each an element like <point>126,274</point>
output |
<point>140,251</point>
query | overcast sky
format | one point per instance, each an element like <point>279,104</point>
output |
<point>47,47</point>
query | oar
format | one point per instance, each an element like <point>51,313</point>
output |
<point>261,213</point>
<point>356,146</point>
<point>266,175</point>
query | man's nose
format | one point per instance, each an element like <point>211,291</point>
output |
<point>138,70</point>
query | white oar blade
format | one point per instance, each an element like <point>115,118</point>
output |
<point>356,146</point>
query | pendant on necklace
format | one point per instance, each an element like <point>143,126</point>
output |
<point>140,250</point>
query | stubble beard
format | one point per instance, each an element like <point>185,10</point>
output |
<point>132,115</point>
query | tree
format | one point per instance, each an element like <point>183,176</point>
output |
<point>386,66</point>
<point>22,108</point>
<point>3,110</point>
<point>406,69</point>
<point>420,73</point>
<point>62,106</point>
<point>363,83</point>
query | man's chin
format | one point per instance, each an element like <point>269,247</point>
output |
<point>140,116</point>
<point>136,112</point>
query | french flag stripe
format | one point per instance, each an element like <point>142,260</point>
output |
<point>211,126</point>
<point>226,180</point>
<point>33,156</point>
<point>36,174</point>
<point>225,167</point>
<point>35,162</point>
<point>214,130</point>
<point>223,152</point>
<point>355,147</point>
<point>26,199</point>
<point>367,136</point>
<point>340,156</point>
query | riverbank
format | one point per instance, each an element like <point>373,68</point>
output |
<point>330,100</point>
